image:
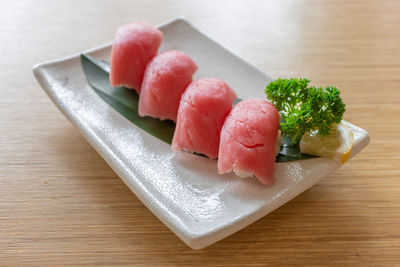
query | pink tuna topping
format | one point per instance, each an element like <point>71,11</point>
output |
<point>248,140</point>
<point>165,79</point>
<point>133,47</point>
<point>202,111</point>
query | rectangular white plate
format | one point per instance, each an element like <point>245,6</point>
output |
<point>183,190</point>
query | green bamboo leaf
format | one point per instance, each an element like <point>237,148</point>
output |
<point>122,99</point>
<point>125,101</point>
<point>291,151</point>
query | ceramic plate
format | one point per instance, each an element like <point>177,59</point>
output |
<point>183,190</point>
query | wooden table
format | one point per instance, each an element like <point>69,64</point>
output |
<point>61,204</point>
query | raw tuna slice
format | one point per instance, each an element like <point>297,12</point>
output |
<point>165,79</point>
<point>133,47</point>
<point>202,111</point>
<point>248,140</point>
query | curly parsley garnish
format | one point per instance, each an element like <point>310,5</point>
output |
<point>305,108</point>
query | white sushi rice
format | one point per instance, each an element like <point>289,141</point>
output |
<point>243,174</point>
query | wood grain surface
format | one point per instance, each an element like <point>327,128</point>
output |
<point>62,205</point>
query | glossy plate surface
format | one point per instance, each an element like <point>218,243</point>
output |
<point>184,191</point>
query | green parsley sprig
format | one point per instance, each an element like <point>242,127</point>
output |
<point>305,108</point>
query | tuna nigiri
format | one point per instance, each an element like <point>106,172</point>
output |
<point>248,140</point>
<point>202,111</point>
<point>165,79</point>
<point>133,47</point>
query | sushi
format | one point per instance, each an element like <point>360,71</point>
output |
<point>165,79</point>
<point>202,111</point>
<point>133,47</point>
<point>248,140</point>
